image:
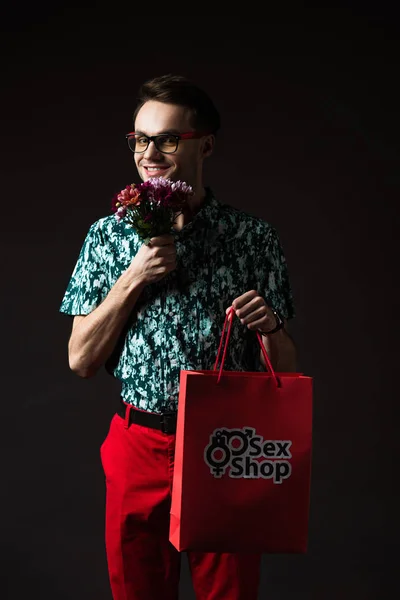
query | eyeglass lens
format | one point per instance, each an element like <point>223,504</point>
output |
<point>163,143</point>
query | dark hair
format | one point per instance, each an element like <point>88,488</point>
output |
<point>176,89</point>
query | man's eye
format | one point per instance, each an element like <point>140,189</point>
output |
<point>167,139</point>
<point>141,140</point>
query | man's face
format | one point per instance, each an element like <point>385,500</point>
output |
<point>185,164</point>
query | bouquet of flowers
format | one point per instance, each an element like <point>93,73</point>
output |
<point>151,207</point>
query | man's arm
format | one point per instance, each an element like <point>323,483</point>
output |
<point>281,351</point>
<point>253,312</point>
<point>95,335</point>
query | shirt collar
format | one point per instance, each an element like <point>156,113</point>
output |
<point>207,215</point>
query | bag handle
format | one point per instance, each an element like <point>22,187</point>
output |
<point>229,317</point>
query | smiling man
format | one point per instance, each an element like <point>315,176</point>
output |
<point>165,144</point>
<point>146,312</point>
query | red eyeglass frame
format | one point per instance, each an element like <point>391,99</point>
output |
<point>178,136</point>
<point>184,136</point>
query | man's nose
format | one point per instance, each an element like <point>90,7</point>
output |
<point>152,151</point>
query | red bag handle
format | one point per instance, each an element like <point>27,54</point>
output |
<point>229,318</point>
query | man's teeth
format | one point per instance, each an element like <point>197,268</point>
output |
<point>155,168</point>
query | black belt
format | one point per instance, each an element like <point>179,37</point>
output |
<point>165,422</point>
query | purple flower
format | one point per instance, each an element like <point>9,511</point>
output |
<point>152,206</point>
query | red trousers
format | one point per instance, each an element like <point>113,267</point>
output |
<point>138,463</point>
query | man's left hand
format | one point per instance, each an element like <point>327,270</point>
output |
<point>252,310</point>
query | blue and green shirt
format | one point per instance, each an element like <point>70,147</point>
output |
<point>177,322</point>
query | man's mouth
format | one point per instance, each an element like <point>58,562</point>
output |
<point>156,170</point>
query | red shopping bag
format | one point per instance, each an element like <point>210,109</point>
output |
<point>242,460</point>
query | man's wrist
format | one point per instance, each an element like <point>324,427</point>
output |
<point>278,325</point>
<point>132,283</point>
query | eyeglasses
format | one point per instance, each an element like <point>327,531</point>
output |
<point>167,143</point>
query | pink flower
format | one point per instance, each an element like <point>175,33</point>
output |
<point>121,213</point>
<point>151,207</point>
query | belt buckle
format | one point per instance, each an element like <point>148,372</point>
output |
<point>168,422</point>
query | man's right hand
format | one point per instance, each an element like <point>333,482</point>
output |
<point>155,261</point>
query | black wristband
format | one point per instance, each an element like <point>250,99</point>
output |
<point>279,324</point>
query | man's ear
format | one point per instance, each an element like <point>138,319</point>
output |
<point>208,145</point>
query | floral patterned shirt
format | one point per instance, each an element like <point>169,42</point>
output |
<point>177,322</point>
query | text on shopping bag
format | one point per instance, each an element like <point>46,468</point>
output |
<point>237,453</point>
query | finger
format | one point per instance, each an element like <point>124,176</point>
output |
<point>255,315</point>
<point>260,324</point>
<point>165,251</point>
<point>166,248</point>
<point>162,240</point>
<point>164,260</point>
<point>254,304</point>
<point>244,299</point>
<point>170,259</point>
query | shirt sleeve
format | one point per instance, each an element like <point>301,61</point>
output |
<point>274,281</point>
<point>89,283</point>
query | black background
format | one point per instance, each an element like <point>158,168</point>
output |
<point>309,142</point>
